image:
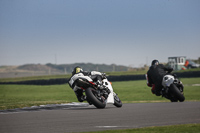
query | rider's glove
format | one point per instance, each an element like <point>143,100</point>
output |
<point>175,76</point>
<point>100,85</point>
<point>99,82</point>
<point>103,75</point>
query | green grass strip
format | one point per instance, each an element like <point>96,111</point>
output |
<point>18,96</point>
<point>186,128</point>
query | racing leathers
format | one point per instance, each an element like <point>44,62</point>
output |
<point>155,76</point>
<point>94,75</point>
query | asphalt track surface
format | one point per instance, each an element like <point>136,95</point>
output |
<point>88,118</point>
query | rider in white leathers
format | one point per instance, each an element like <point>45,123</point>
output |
<point>94,75</point>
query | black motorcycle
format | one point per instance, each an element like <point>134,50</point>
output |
<point>172,88</point>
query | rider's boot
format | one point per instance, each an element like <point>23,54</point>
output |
<point>80,96</point>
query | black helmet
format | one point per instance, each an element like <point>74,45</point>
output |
<point>77,70</point>
<point>154,62</point>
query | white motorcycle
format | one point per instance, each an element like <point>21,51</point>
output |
<point>98,96</point>
<point>172,88</point>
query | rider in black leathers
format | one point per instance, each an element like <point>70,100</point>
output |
<point>155,76</point>
<point>94,75</point>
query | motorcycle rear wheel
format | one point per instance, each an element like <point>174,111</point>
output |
<point>97,101</point>
<point>176,92</point>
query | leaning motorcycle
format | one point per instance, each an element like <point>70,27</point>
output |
<point>172,88</point>
<point>98,96</point>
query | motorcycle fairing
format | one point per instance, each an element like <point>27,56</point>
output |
<point>110,98</point>
<point>167,80</point>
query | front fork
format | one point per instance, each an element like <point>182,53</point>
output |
<point>179,85</point>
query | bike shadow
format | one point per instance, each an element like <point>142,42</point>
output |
<point>90,107</point>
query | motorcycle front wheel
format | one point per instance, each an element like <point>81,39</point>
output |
<point>176,92</point>
<point>117,101</point>
<point>94,98</point>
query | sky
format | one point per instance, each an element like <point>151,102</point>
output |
<point>121,32</point>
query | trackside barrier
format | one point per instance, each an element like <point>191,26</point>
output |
<point>110,78</point>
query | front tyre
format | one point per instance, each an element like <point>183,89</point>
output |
<point>176,92</point>
<point>117,101</point>
<point>92,96</point>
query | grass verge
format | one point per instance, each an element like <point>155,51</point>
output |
<point>18,96</point>
<point>186,128</point>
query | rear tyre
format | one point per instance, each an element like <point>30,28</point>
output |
<point>117,101</point>
<point>92,96</point>
<point>176,93</point>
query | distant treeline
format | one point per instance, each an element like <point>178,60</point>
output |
<point>90,67</point>
<point>190,74</point>
<point>69,67</point>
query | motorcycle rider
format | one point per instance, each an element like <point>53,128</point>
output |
<point>155,76</point>
<point>94,75</point>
